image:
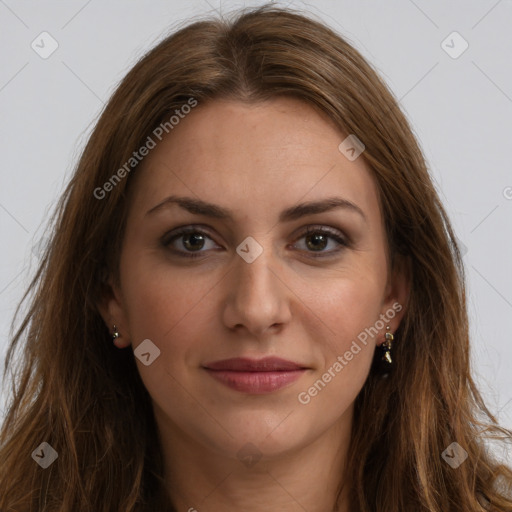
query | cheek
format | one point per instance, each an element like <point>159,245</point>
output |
<point>169,308</point>
<point>344,305</point>
<point>348,309</point>
<point>173,307</point>
<point>161,300</point>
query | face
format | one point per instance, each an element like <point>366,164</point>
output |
<point>261,278</point>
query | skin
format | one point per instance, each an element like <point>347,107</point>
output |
<point>256,160</point>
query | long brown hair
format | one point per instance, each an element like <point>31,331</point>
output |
<point>74,390</point>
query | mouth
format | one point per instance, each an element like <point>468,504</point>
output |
<point>255,376</point>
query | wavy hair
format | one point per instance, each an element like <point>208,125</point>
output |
<point>74,390</point>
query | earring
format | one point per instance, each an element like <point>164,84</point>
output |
<point>116,334</point>
<point>386,346</point>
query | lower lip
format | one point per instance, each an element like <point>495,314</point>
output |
<point>256,383</point>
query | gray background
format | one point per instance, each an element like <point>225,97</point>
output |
<point>460,109</point>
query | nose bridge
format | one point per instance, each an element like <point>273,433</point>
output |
<point>257,300</point>
<point>254,279</point>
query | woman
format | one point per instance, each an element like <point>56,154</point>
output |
<point>253,226</point>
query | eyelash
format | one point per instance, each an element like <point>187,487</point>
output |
<point>310,230</point>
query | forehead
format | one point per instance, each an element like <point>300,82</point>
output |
<point>254,158</point>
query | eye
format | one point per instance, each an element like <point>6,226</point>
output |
<point>193,240</point>
<point>317,238</point>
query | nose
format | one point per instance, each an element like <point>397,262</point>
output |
<point>258,299</point>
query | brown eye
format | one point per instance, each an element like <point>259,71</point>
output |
<point>192,241</point>
<point>317,241</point>
<point>318,238</point>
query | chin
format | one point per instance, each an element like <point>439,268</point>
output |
<point>267,434</point>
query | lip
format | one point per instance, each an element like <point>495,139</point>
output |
<point>255,376</point>
<point>246,364</point>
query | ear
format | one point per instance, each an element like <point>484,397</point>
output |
<point>112,309</point>
<point>397,291</point>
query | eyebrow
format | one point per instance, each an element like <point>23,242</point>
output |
<point>200,207</point>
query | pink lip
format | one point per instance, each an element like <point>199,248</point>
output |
<point>255,376</point>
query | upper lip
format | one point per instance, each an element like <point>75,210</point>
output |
<point>267,364</point>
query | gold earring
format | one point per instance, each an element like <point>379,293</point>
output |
<point>386,346</point>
